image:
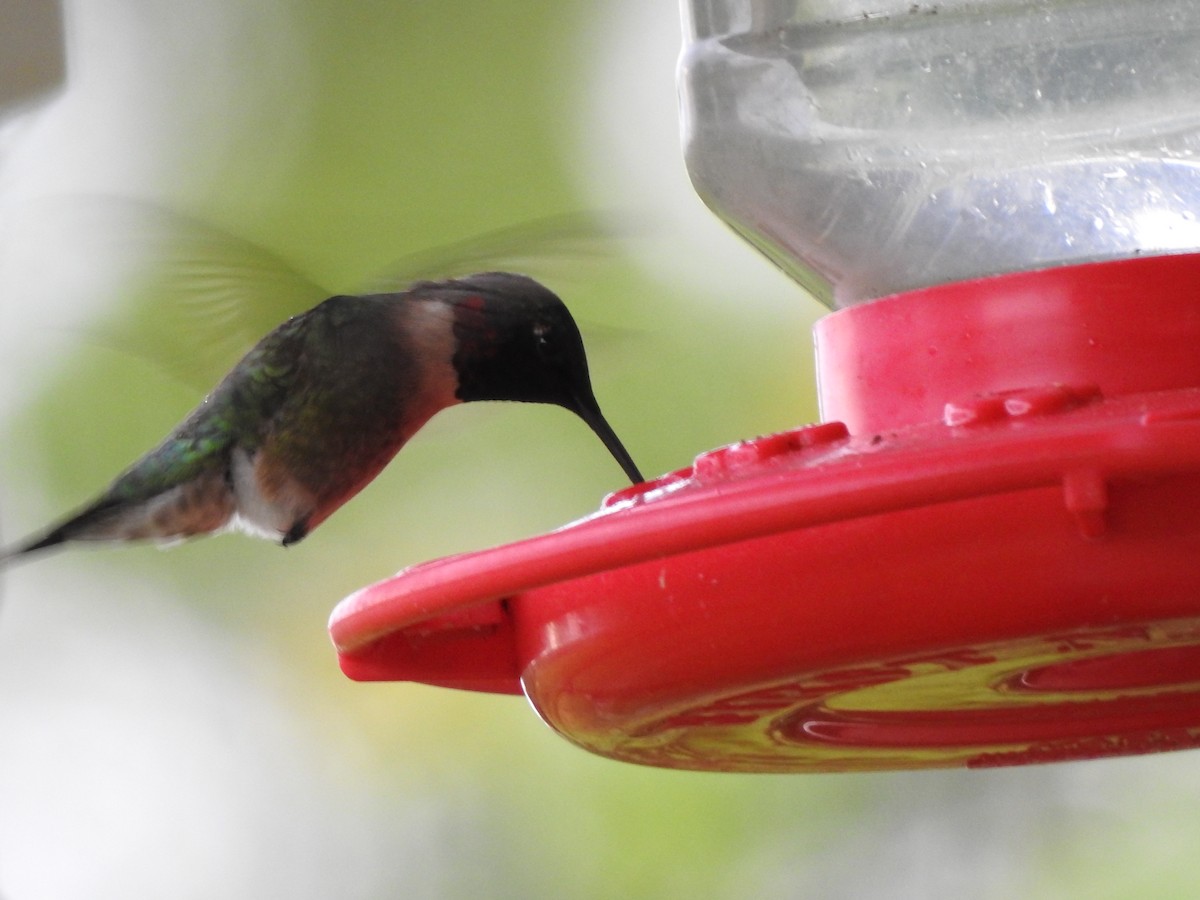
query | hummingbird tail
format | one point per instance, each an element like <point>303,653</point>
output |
<point>51,539</point>
<point>79,527</point>
<point>200,506</point>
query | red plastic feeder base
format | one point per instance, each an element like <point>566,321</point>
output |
<point>990,555</point>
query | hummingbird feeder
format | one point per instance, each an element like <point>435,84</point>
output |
<point>988,553</point>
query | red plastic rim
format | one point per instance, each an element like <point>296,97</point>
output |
<point>1006,574</point>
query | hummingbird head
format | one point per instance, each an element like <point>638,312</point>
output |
<point>516,340</point>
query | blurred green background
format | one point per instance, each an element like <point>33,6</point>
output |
<point>173,724</point>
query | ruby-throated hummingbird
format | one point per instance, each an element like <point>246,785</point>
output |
<point>321,404</point>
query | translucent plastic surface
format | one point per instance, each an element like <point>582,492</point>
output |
<point>874,146</point>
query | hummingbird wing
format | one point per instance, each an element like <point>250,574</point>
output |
<point>195,297</point>
<point>527,246</point>
<point>198,295</point>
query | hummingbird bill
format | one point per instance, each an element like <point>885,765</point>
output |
<point>323,403</point>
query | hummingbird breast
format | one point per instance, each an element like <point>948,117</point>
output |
<point>372,371</point>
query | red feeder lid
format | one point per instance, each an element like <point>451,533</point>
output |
<point>991,556</point>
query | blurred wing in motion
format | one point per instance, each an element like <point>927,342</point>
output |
<point>533,248</point>
<point>198,297</point>
<point>202,296</point>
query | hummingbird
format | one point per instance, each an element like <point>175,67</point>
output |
<point>315,410</point>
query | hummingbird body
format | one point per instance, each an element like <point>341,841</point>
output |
<point>321,404</point>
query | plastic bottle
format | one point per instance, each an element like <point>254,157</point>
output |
<point>870,147</point>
